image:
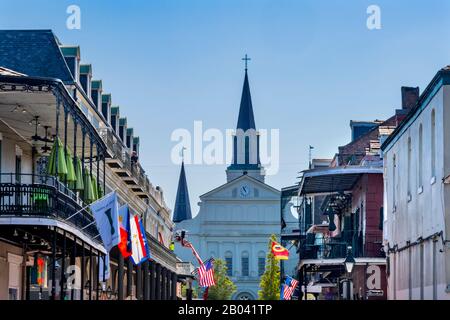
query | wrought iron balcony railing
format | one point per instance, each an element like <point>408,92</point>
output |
<point>37,196</point>
<point>332,248</point>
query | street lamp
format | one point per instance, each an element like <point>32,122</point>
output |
<point>349,261</point>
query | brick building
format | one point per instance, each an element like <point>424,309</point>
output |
<point>351,188</point>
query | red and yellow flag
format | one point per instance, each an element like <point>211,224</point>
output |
<point>280,252</point>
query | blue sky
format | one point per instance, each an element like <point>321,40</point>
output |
<point>315,66</point>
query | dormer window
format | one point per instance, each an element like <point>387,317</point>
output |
<point>96,93</point>
<point>114,121</point>
<point>123,129</point>
<point>136,145</point>
<point>72,56</point>
<point>106,106</point>
<point>129,140</point>
<point>85,78</point>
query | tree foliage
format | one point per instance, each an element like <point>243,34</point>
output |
<point>224,288</point>
<point>270,280</point>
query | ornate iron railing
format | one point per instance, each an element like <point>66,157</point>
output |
<point>331,248</point>
<point>44,197</point>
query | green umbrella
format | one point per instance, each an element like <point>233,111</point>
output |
<point>62,166</point>
<point>100,191</point>
<point>88,188</point>
<point>78,183</point>
<point>71,177</point>
<point>94,187</point>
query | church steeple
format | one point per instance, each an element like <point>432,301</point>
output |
<point>246,118</point>
<point>246,140</point>
<point>182,210</point>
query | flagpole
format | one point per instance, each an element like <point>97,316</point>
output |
<point>90,224</point>
<point>86,206</point>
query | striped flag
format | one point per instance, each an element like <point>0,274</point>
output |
<point>206,274</point>
<point>205,271</point>
<point>139,245</point>
<point>288,288</point>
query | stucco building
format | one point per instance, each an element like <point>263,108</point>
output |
<point>417,197</point>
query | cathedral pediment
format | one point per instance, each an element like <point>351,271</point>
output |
<point>244,187</point>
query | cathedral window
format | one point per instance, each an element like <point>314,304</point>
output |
<point>261,263</point>
<point>245,264</point>
<point>229,263</point>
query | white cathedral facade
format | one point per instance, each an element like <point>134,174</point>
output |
<point>236,219</point>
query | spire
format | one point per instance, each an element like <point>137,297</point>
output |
<point>246,119</point>
<point>182,210</point>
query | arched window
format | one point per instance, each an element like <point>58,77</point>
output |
<point>420,164</point>
<point>261,263</point>
<point>433,143</point>
<point>394,181</point>
<point>245,270</point>
<point>409,167</point>
<point>229,263</point>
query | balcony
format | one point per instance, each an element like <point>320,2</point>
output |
<point>333,248</point>
<point>37,196</point>
<point>120,163</point>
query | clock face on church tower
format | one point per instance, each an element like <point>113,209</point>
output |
<point>244,191</point>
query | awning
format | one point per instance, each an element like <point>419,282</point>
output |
<point>340,261</point>
<point>337,179</point>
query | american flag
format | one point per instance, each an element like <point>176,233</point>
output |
<point>289,287</point>
<point>206,271</point>
<point>206,274</point>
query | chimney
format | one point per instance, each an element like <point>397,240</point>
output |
<point>410,96</point>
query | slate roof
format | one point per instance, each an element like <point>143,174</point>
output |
<point>33,52</point>
<point>182,210</point>
<point>246,118</point>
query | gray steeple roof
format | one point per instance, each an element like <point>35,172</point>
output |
<point>182,210</point>
<point>246,119</point>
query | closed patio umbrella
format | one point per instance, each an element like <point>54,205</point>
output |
<point>70,177</point>
<point>94,187</point>
<point>88,188</point>
<point>62,166</point>
<point>79,183</point>
<point>100,191</point>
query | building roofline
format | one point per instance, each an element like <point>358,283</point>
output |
<point>441,78</point>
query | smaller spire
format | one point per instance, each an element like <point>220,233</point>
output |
<point>182,210</point>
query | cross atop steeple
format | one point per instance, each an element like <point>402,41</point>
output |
<point>246,59</point>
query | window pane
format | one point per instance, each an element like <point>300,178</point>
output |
<point>245,271</point>
<point>229,263</point>
<point>261,266</point>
